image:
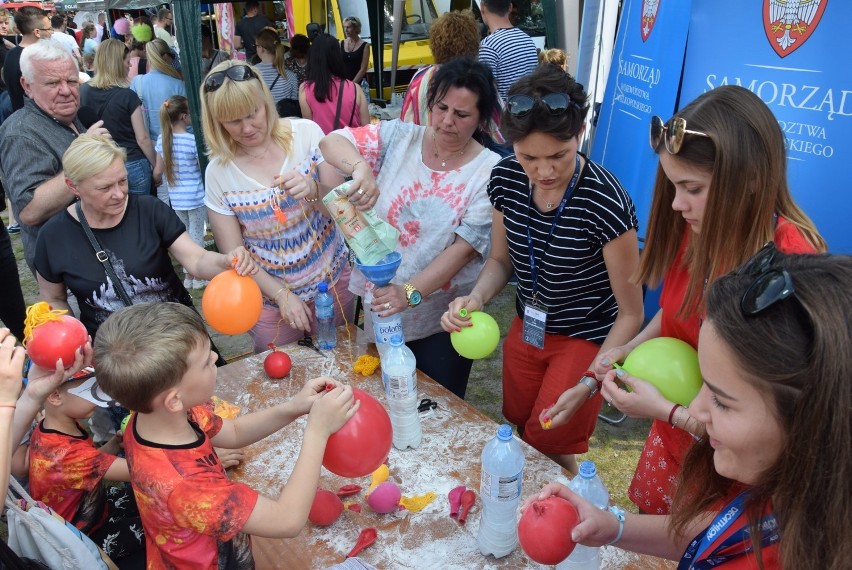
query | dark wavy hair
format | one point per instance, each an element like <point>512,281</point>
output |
<point>325,62</point>
<point>544,80</point>
<point>797,353</point>
<point>464,72</point>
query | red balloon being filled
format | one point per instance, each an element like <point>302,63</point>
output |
<point>232,303</point>
<point>277,364</point>
<point>544,530</point>
<point>362,444</point>
<point>52,340</point>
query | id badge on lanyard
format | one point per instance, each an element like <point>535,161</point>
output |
<point>535,313</point>
<point>535,322</point>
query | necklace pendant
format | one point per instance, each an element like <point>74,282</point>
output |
<point>443,163</point>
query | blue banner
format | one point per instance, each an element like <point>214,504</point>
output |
<point>643,81</point>
<point>794,56</point>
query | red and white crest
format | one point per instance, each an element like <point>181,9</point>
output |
<point>789,23</point>
<point>649,17</point>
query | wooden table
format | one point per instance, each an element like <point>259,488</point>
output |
<point>453,437</point>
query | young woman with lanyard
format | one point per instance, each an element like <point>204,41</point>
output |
<point>567,229</point>
<point>756,491</point>
<point>721,193</point>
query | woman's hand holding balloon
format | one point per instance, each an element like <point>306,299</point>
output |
<point>644,401</point>
<point>297,185</point>
<point>597,527</point>
<point>240,259</point>
<point>363,189</point>
<point>604,362</point>
<point>565,407</point>
<point>452,321</point>
<point>389,300</point>
<point>294,311</point>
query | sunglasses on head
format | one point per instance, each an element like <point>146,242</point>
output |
<point>236,73</point>
<point>672,133</point>
<point>770,284</point>
<point>556,104</point>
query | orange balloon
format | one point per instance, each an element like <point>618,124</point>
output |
<point>232,303</point>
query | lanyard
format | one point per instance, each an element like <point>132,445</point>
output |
<point>568,191</point>
<point>737,544</point>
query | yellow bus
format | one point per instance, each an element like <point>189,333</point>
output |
<point>414,52</point>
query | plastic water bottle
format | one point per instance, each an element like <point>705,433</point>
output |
<point>588,485</point>
<point>399,373</point>
<point>500,491</point>
<point>326,331</point>
<point>386,328</point>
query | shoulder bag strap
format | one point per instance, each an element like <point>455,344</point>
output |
<point>336,124</point>
<point>354,101</point>
<point>103,257</point>
<point>277,77</point>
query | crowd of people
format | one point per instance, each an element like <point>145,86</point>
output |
<point>484,179</point>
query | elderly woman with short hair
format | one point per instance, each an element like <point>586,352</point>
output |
<point>136,233</point>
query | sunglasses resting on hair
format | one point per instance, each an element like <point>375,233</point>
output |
<point>672,132</point>
<point>236,73</point>
<point>556,104</point>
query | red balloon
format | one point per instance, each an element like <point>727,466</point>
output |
<point>362,444</point>
<point>277,364</point>
<point>232,303</point>
<point>53,340</point>
<point>326,508</point>
<point>544,530</point>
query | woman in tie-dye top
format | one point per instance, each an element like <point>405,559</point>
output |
<point>263,183</point>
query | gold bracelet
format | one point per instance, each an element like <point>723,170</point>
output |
<point>316,190</point>
<point>357,162</point>
<point>275,297</point>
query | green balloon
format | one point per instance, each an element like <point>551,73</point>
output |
<point>479,340</point>
<point>669,364</point>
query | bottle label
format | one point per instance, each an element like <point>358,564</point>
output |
<point>398,386</point>
<point>385,331</point>
<point>502,489</point>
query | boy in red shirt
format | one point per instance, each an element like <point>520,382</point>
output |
<point>156,359</point>
<point>68,473</point>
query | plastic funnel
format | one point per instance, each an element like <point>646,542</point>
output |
<point>381,273</point>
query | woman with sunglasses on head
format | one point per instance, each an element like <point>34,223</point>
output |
<point>755,491</point>
<point>566,227</point>
<point>433,182</point>
<point>264,183</point>
<point>721,192</point>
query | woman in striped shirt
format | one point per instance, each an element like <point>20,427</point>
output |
<point>567,229</point>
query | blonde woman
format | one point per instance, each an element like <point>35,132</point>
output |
<point>108,97</point>
<point>264,182</point>
<point>282,84</point>
<point>160,82</point>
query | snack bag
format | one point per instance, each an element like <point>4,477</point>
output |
<point>369,237</point>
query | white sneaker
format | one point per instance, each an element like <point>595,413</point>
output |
<point>199,283</point>
<point>187,283</point>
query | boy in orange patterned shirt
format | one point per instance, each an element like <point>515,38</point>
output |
<point>68,473</point>
<point>156,359</point>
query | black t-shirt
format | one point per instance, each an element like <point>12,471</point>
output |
<point>247,29</point>
<point>114,106</point>
<point>573,282</point>
<point>137,248</point>
<point>12,76</point>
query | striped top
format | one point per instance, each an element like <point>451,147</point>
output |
<point>188,190</point>
<point>573,282</point>
<point>511,54</point>
<point>301,245</point>
<point>285,88</point>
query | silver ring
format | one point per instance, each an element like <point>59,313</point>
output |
<point>388,306</point>
<point>610,401</point>
<point>292,323</point>
<point>360,191</point>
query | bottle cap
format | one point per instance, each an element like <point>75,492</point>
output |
<point>396,340</point>
<point>323,287</point>
<point>504,432</point>
<point>588,469</point>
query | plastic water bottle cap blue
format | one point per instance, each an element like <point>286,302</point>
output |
<point>323,287</point>
<point>588,469</point>
<point>396,340</point>
<point>504,432</point>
